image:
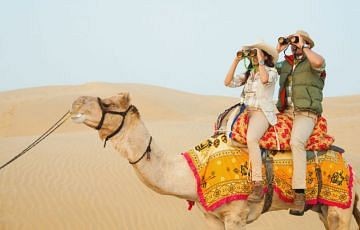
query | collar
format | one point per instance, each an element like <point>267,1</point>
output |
<point>294,61</point>
<point>290,59</point>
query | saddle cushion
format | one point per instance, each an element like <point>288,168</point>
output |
<point>277,137</point>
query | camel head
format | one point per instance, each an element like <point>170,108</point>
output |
<point>105,115</point>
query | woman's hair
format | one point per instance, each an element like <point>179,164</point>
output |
<point>269,61</point>
<point>247,73</point>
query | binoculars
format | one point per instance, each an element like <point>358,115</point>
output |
<point>285,41</point>
<point>246,53</point>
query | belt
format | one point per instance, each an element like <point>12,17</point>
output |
<point>250,108</point>
<point>306,113</point>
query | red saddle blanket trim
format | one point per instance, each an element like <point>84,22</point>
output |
<point>277,137</point>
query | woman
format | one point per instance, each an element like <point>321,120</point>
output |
<point>257,95</point>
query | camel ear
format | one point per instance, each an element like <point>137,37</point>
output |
<point>124,98</point>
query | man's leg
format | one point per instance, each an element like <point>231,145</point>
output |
<point>302,129</point>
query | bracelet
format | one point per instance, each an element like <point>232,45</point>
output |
<point>305,46</point>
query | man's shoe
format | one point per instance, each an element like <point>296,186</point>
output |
<point>299,205</point>
<point>257,194</point>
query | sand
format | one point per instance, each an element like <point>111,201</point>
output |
<point>69,181</point>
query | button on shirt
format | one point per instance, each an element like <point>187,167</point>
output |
<point>249,96</point>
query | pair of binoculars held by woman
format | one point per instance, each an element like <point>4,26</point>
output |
<point>291,40</point>
<point>246,53</point>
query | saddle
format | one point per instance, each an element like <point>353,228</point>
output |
<point>277,137</point>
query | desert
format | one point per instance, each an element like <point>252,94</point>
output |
<point>69,181</point>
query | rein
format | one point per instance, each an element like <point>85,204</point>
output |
<point>41,138</point>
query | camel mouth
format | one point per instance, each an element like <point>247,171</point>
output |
<point>78,118</point>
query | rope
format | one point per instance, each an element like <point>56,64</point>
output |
<point>277,138</point>
<point>147,153</point>
<point>39,139</point>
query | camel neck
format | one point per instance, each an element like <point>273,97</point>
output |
<point>164,173</point>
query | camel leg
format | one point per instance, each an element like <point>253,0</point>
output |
<point>213,222</point>
<point>323,216</point>
<point>236,218</point>
<point>335,218</point>
<point>339,219</point>
<point>235,221</point>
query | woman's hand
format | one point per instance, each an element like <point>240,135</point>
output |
<point>260,54</point>
<point>230,75</point>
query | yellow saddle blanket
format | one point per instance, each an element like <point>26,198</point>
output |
<point>222,175</point>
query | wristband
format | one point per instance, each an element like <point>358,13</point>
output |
<point>305,46</point>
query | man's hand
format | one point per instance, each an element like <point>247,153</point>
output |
<point>280,47</point>
<point>301,41</point>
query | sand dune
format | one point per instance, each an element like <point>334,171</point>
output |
<point>70,181</point>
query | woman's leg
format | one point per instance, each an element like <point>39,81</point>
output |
<point>258,125</point>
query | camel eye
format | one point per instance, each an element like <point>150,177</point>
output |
<point>107,105</point>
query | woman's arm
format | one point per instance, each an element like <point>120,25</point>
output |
<point>230,75</point>
<point>264,76</point>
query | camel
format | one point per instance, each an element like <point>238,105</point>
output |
<point>119,122</point>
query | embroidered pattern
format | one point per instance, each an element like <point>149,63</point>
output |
<point>222,175</point>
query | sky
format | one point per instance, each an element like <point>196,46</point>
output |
<point>186,45</point>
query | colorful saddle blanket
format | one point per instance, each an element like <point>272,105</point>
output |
<point>222,175</point>
<point>277,137</point>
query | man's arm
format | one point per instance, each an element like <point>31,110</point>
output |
<point>316,60</point>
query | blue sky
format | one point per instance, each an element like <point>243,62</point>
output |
<point>185,44</point>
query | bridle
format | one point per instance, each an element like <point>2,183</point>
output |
<point>123,115</point>
<point>104,112</point>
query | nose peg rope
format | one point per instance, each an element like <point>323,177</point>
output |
<point>39,139</point>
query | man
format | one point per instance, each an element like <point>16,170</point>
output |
<point>302,77</point>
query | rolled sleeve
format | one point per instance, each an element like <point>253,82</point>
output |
<point>237,81</point>
<point>320,69</point>
<point>273,76</point>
